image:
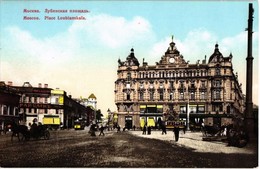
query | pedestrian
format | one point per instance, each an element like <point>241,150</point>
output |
<point>144,129</point>
<point>92,130</point>
<point>184,129</point>
<point>118,128</point>
<point>101,131</point>
<point>134,127</point>
<point>149,129</point>
<point>163,129</point>
<point>176,131</point>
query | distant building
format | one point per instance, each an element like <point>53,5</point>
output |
<point>92,101</point>
<point>206,91</point>
<point>91,104</point>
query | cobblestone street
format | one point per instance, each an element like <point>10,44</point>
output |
<point>71,148</point>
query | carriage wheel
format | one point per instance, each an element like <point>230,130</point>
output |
<point>47,135</point>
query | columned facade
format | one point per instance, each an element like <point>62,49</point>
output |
<point>206,91</point>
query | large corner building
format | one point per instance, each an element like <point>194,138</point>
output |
<point>206,91</point>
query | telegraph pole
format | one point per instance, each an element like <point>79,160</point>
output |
<point>249,117</point>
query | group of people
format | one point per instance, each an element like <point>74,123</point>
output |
<point>176,130</point>
<point>145,129</point>
<point>149,130</point>
<point>94,128</point>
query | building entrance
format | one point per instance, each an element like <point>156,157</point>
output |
<point>128,122</point>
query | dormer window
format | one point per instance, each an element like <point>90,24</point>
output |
<point>217,71</point>
<point>128,76</point>
<point>141,85</point>
<point>161,85</point>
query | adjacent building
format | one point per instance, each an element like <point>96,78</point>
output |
<point>52,107</point>
<point>206,91</point>
<point>9,104</point>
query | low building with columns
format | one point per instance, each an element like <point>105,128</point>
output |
<point>206,91</point>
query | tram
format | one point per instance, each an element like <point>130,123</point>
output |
<point>79,124</point>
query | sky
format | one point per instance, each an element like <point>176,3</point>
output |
<point>80,56</point>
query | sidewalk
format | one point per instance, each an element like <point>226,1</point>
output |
<point>194,141</point>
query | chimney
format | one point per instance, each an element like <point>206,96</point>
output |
<point>45,85</point>
<point>39,85</point>
<point>10,83</point>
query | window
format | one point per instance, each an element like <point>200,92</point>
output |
<point>193,109</point>
<point>141,85</point>
<point>161,85</point>
<point>16,111</point>
<point>217,71</point>
<point>11,110</point>
<point>128,76</point>
<point>151,95</point>
<point>183,109</point>
<point>181,97</point>
<point>23,98</point>
<point>181,84</point>
<point>201,109</point>
<point>151,109</point>
<point>56,100</point>
<point>141,96</point>
<point>128,96</point>
<point>217,83</point>
<point>161,94</point>
<point>4,110</point>
<point>202,96</point>
<point>171,96</point>
<point>142,108</point>
<point>159,108</point>
<point>171,84</point>
<point>128,85</point>
<point>192,84</point>
<point>203,84</point>
<point>198,72</point>
<point>216,94</point>
<point>192,95</point>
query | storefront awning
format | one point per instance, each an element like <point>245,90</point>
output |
<point>201,115</point>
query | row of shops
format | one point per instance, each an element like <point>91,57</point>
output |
<point>52,107</point>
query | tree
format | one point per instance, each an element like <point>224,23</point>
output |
<point>99,115</point>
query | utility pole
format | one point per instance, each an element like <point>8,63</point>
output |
<point>249,117</point>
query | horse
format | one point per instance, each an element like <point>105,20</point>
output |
<point>19,129</point>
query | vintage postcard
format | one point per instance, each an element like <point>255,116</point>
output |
<point>161,84</point>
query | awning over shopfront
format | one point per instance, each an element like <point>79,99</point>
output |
<point>202,115</point>
<point>142,122</point>
<point>151,122</point>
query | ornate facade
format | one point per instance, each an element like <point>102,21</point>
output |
<point>206,92</point>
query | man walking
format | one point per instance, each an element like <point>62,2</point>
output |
<point>176,130</point>
<point>102,131</point>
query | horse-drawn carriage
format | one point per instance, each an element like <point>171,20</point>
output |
<point>36,132</point>
<point>234,137</point>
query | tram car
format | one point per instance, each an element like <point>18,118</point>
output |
<point>79,124</point>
